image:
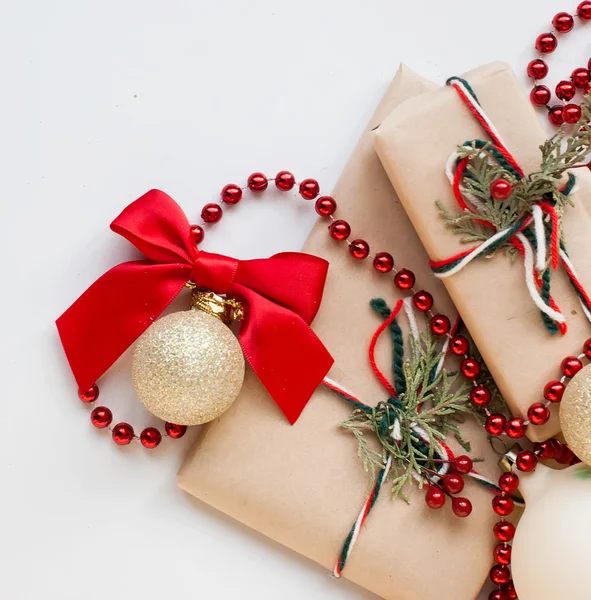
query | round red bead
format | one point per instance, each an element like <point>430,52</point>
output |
<point>589,64</point>
<point>309,189</point>
<point>584,10</point>
<point>175,431</point>
<point>538,414</point>
<point>150,437</point>
<point>359,249</point>
<point>515,428</point>
<point>566,456</point>
<point>122,434</point>
<point>500,189</point>
<point>339,230</point>
<point>435,498</point>
<point>537,69</point>
<point>503,505</point>
<point>480,395</point>
<point>509,482</point>
<point>572,113</point>
<point>423,301</point>
<point>557,448</point>
<point>101,417</point>
<point>565,90</point>
<point>495,424</point>
<point>540,95</point>
<point>544,450</point>
<point>470,368</point>
<point>231,194</point>
<point>462,464</point>
<point>556,115</point>
<point>498,595</point>
<point>554,391</point>
<point>459,345</point>
<point>563,22</point>
<point>462,507</point>
<point>581,77</point>
<point>197,233</point>
<point>500,574</point>
<point>404,279</point>
<point>504,531</point>
<point>212,213</point>
<point>526,461</point>
<point>383,262</point>
<point>90,395</point>
<point>284,181</point>
<point>258,182</point>
<point>440,324</point>
<point>502,554</point>
<point>546,43</point>
<point>453,483</point>
<point>509,591</point>
<point>571,365</point>
<point>326,206</point>
<point>587,348</point>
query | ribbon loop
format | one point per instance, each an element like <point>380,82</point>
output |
<point>282,295</point>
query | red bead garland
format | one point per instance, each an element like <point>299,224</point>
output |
<point>383,262</point>
<point>258,182</point>
<point>231,194</point>
<point>123,433</point>
<point>566,90</point>
<point>90,395</point>
<point>340,230</point>
<point>359,249</point>
<point>101,417</point>
<point>309,189</point>
<point>284,180</point>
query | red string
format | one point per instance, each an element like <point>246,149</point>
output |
<point>548,208</point>
<point>372,347</point>
<point>458,177</point>
<point>577,284</point>
<point>500,147</point>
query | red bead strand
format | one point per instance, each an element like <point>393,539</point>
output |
<point>123,433</point>
<point>566,90</point>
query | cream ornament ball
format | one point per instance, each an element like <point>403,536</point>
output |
<point>575,415</point>
<point>188,367</point>
<point>556,524</point>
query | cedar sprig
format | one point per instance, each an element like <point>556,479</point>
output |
<point>436,403</point>
<point>561,152</point>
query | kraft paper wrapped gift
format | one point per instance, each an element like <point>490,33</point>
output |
<point>414,143</point>
<point>303,485</point>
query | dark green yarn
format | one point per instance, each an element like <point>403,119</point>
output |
<point>379,305</point>
<point>466,85</point>
<point>499,157</point>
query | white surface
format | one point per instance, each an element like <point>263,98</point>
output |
<point>104,100</point>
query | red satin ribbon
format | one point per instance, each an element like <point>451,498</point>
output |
<point>281,296</point>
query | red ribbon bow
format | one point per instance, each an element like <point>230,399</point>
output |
<point>281,296</point>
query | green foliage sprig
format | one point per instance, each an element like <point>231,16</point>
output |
<point>561,152</point>
<point>437,404</point>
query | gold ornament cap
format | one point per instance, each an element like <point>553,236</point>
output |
<point>224,309</point>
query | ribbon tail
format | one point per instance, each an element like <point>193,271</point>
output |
<point>286,355</point>
<point>113,312</point>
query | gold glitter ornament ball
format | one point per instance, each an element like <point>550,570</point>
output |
<point>188,368</point>
<point>575,414</point>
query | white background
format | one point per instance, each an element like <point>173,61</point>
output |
<point>101,101</point>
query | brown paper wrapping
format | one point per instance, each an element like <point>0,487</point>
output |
<point>303,486</point>
<point>414,143</point>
